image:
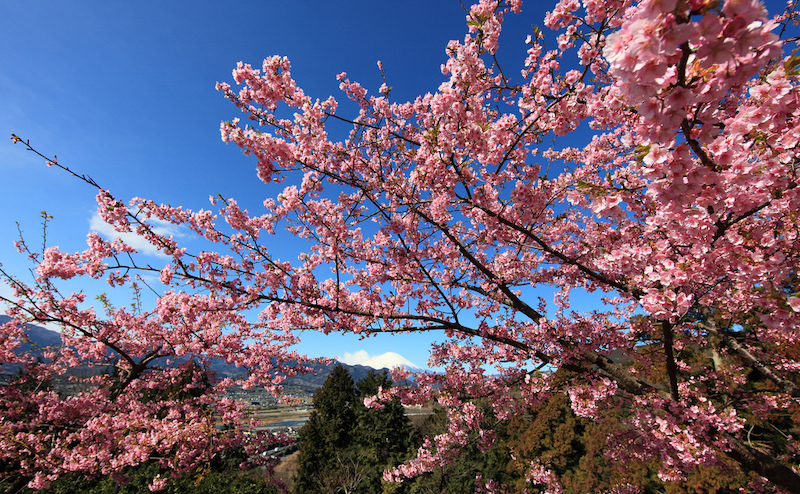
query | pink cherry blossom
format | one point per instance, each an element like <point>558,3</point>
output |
<point>470,212</point>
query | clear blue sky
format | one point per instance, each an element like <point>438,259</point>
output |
<point>124,92</point>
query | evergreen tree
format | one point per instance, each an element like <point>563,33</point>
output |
<point>384,436</point>
<point>461,475</point>
<point>335,408</point>
<point>344,447</point>
<point>387,430</point>
<point>327,435</point>
<point>574,449</point>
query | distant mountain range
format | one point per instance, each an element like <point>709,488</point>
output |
<point>305,384</point>
<point>39,336</point>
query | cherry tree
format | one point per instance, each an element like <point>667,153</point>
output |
<point>448,213</point>
<point>126,385</point>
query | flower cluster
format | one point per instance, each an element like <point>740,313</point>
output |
<point>468,212</point>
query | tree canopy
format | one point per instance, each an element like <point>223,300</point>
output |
<point>345,446</point>
<point>454,213</point>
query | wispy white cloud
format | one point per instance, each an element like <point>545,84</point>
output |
<point>5,292</point>
<point>160,227</point>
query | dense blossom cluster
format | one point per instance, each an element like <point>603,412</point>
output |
<point>446,212</point>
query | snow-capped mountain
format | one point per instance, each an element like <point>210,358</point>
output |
<point>390,360</point>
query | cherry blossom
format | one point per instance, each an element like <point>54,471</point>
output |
<point>447,214</point>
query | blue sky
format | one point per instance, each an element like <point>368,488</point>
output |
<point>124,92</point>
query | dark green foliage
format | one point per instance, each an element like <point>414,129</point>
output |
<point>335,409</point>
<point>471,464</point>
<point>386,432</point>
<point>221,478</point>
<point>327,435</point>
<point>344,447</point>
<point>384,437</point>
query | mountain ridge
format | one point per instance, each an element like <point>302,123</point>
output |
<point>39,338</point>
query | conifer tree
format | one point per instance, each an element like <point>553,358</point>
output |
<point>345,446</point>
<point>328,432</point>
<point>384,434</point>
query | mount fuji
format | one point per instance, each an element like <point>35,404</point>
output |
<point>390,360</point>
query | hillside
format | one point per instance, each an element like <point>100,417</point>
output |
<point>300,385</point>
